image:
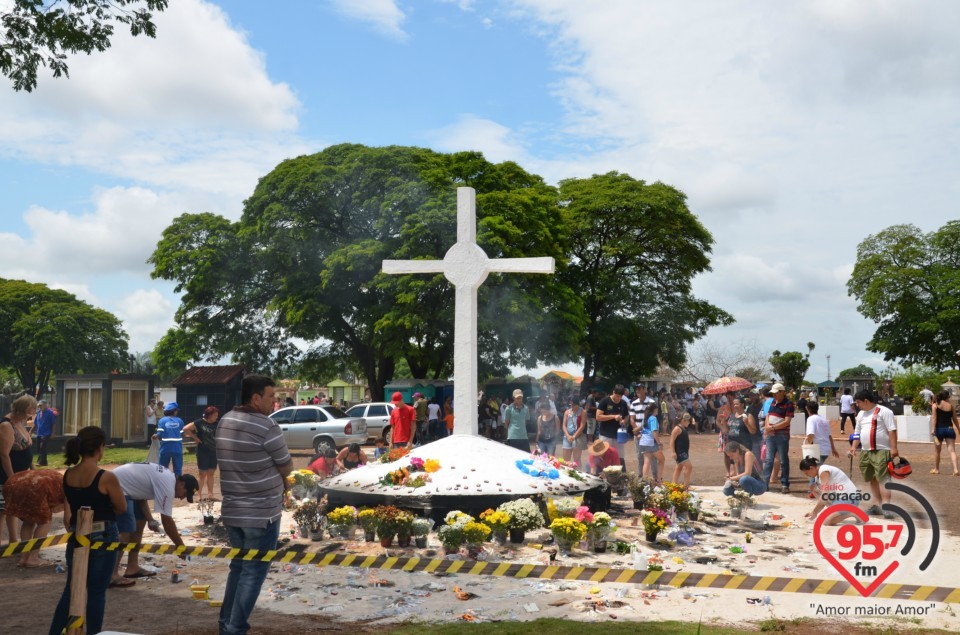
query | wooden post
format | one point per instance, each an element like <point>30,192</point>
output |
<point>78,574</point>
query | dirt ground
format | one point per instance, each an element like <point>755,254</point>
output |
<point>138,611</point>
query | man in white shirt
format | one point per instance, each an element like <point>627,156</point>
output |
<point>638,409</point>
<point>847,409</point>
<point>143,482</point>
<point>878,440</point>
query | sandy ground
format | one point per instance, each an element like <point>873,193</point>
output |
<point>379,597</point>
<point>308,599</point>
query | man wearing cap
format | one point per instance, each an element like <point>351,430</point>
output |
<point>420,406</point>
<point>169,432</point>
<point>401,423</point>
<point>143,482</point>
<point>878,440</point>
<point>777,428</point>
<point>515,421</point>
<point>43,421</point>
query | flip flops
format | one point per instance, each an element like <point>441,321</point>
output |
<point>140,574</point>
<point>122,583</point>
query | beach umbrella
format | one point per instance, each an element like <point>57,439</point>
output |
<point>727,384</point>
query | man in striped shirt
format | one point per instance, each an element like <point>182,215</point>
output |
<point>254,464</point>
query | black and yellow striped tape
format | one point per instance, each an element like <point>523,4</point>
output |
<point>678,579</point>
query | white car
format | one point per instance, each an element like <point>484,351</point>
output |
<point>377,416</point>
<point>319,427</point>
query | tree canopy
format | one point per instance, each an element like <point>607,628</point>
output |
<point>34,33</point>
<point>304,261</point>
<point>51,331</point>
<point>634,249</point>
<point>860,370</point>
<point>908,282</point>
<point>791,366</point>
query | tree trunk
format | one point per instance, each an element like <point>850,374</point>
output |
<point>28,377</point>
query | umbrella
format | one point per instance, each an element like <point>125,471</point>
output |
<point>727,384</point>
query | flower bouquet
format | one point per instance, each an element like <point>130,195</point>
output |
<point>394,454</point>
<point>342,521</point>
<point>678,496</point>
<point>615,476</point>
<point>599,528</point>
<point>303,484</point>
<point>420,529</point>
<point>474,535</point>
<point>367,519</point>
<point>451,533</point>
<point>310,517</point>
<point>562,507</point>
<point>567,532</point>
<point>206,507</point>
<point>654,521</point>
<point>740,501</point>
<point>404,523</point>
<point>640,490</point>
<point>524,516</point>
<point>388,518</point>
<point>498,522</point>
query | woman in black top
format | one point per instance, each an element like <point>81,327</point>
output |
<point>86,485</point>
<point>16,452</point>
<point>945,428</point>
<point>351,457</point>
<point>204,432</point>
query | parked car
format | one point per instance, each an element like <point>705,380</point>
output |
<point>377,415</point>
<point>319,427</point>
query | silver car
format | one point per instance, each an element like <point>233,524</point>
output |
<point>377,415</point>
<point>319,427</point>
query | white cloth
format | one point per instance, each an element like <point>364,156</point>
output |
<point>839,481</point>
<point>846,404</point>
<point>148,481</point>
<point>874,427</point>
<point>820,429</point>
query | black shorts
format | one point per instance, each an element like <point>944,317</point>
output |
<point>944,433</point>
<point>206,459</point>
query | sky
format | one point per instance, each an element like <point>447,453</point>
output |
<point>796,129</point>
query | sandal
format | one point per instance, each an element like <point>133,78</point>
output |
<point>122,583</point>
<point>934,471</point>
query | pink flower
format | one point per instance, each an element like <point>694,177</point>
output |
<point>583,515</point>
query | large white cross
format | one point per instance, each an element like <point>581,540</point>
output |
<point>467,266</point>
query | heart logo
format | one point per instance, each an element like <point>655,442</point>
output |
<point>865,591</point>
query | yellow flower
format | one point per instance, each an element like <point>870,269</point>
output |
<point>431,465</point>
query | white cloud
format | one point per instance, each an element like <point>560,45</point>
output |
<point>496,141</point>
<point>146,315</point>
<point>194,108</point>
<point>384,15</point>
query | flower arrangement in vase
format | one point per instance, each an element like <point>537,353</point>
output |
<point>498,522</point>
<point>615,476</point>
<point>420,529</point>
<point>639,489</point>
<point>342,521</point>
<point>303,484</point>
<point>474,535</point>
<point>387,521</point>
<point>740,501</point>
<point>562,507</point>
<point>567,532</point>
<point>678,496</point>
<point>404,528</point>
<point>309,515</point>
<point>524,516</point>
<point>367,519</point>
<point>654,521</point>
<point>599,528</point>
<point>206,506</point>
<point>451,533</point>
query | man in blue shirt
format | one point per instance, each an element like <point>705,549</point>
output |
<point>169,430</point>
<point>43,421</point>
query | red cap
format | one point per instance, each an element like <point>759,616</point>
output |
<point>396,397</point>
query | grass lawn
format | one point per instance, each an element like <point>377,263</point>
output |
<point>117,456</point>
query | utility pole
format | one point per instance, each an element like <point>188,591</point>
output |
<point>828,366</point>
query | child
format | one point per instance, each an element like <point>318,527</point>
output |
<point>680,445</point>
<point>381,448</point>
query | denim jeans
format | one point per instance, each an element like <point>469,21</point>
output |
<point>748,484</point>
<point>548,447</point>
<point>246,576</point>
<point>777,444</point>
<point>166,456</point>
<point>99,573</point>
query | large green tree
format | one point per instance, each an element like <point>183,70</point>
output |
<point>634,248</point>
<point>860,370</point>
<point>791,366</point>
<point>51,331</point>
<point>908,282</point>
<point>36,33</point>
<point>304,261</point>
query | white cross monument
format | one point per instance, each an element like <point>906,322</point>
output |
<point>467,266</point>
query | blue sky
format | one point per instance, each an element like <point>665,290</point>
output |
<point>796,129</point>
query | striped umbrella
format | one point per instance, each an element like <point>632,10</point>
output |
<point>727,384</point>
